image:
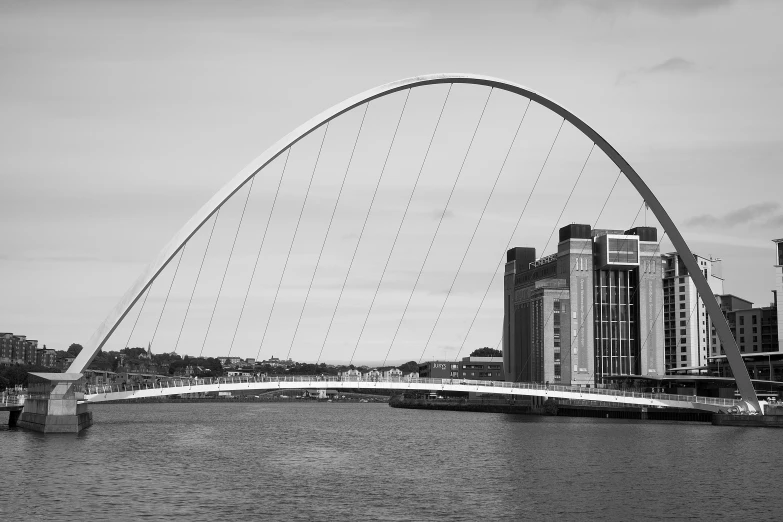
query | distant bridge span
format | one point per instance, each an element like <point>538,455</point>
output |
<point>116,392</point>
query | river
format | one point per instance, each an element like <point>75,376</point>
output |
<point>352,461</point>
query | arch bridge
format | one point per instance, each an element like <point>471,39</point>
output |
<point>282,149</point>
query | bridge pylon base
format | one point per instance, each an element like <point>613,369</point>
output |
<point>52,404</point>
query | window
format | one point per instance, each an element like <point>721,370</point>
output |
<point>683,340</point>
<point>742,319</point>
<point>682,297</point>
<point>682,306</point>
<point>683,357</point>
<point>683,349</point>
<point>755,329</point>
<point>682,314</point>
<point>682,289</point>
<point>682,323</point>
<point>755,339</point>
<point>682,280</point>
<point>742,330</point>
<point>682,331</point>
<point>754,319</point>
<point>742,339</point>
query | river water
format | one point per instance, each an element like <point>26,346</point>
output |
<point>351,461</point>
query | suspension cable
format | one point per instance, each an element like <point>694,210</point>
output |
<point>198,275</point>
<point>437,229</point>
<point>328,229</point>
<point>364,225</point>
<point>258,254</point>
<point>228,264</point>
<point>396,237</point>
<point>633,296</point>
<point>181,254</point>
<point>475,230</point>
<point>573,188</point>
<point>149,289</point>
<point>293,240</point>
<point>511,237</point>
<point>637,214</point>
<point>571,272</point>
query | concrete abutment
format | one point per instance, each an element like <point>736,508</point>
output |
<point>53,406</point>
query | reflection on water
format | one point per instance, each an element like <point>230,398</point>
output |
<point>333,461</point>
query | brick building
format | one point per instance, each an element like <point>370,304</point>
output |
<point>587,313</point>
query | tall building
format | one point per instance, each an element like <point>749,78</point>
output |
<point>685,321</point>
<point>587,314</point>
<point>779,285</point>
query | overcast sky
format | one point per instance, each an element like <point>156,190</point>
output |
<point>120,119</point>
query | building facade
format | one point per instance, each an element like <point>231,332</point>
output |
<point>482,368</point>
<point>586,314</point>
<point>686,325</point>
<point>778,285</point>
<point>439,370</point>
<point>18,349</point>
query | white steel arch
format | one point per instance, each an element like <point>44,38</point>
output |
<point>115,317</point>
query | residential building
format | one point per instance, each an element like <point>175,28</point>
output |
<point>17,349</point>
<point>6,348</point>
<point>30,348</point>
<point>754,328</point>
<point>46,357</point>
<point>274,361</point>
<point>686,325</point>
<point>350,375</point>
<point>586,314</point>
<point>229,361</point>
<point>393,373</point>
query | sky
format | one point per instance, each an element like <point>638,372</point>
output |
<point>121,119</point>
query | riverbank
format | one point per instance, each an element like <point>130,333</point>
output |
<point>476,405</point>
<point>276,396</point>
<point>562,408</point>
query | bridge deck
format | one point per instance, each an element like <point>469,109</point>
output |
<point>113,392</point>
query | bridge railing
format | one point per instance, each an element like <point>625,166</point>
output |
<point>11,400</point>
<point>189,383</point>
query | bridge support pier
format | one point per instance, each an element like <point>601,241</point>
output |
<point>13,416</point>
<point>52,404</point>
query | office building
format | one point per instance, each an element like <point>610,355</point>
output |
<point>482,368</point>
<point>439,370</point>
<point>586,314</point>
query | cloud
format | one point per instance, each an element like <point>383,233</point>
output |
<point>737,217</point>
<point>775,221</point>
<point>669,8</point>
<point>445,213</point>
<point>675,65</point>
